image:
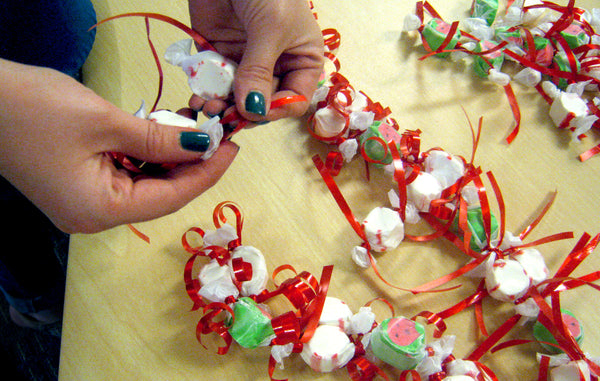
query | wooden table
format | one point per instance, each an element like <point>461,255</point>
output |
<point>127,314</point>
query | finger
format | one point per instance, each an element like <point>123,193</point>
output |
<point>254,77</point>
<point>196,103</point>
<point>214,107</point>
<point>152,197</point>
<point>156,143</point>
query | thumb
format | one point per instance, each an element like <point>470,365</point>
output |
<point>254,78</point>
<point>158,143</point>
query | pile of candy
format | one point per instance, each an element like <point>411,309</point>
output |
<point>553,48</point>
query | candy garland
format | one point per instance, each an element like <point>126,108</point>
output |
<point>321,329</point>
<point>557,48</point>
<point>436,186</point>
<point>432,185</point>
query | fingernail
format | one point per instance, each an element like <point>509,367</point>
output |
<point>262,122</point>
<point>211,115</point>
<point>255,103</point>
<point>194,141</point>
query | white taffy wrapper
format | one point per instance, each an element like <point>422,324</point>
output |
<point>506,280</point>
<point>214,129</point>
<point>441,349</point>
<point>424,189</point>
<point>567,105</point>
<point>336,313</point>
<point>533,263</point>
<point>446,168</point>
<point>220,237</point>
<point>384,229</point>
<point>280,352</point>
<point>360,256</point>
<point>328,349</point>
<point>210,75</point>
<point>328,122</point>
<point>462,368</point>
<point>361,322</point>
<point>216,282</point>
<point>571,371</point>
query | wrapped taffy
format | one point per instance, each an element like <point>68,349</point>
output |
<point>555,47</point>
<point>230,288</point>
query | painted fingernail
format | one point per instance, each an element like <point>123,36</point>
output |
<point>255,103</point>
<point>194,141</point>
<point>262,122</point>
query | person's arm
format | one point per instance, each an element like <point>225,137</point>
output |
<point>279,47</point>
<point>54,136</point>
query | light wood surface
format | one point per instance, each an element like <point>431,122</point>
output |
<point>127,315</point>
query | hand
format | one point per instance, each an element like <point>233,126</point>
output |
<point>54,135</point>
<point>278,45</point>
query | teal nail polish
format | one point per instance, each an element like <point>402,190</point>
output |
<point>255,103</point>
<point>194,141</point>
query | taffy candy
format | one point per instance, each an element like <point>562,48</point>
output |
<point>435,33</point>
<point>384,229</point>
<point>485,9</point>
<point>400,342</point>
<point>374,149</point>
<point>476,226</point>
<point>210,75</point>
<point>541,333</point>
<point>251,326</point>
<point>328,349</point>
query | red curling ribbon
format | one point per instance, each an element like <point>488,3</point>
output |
<point>200,41</point>
<point>501,206</point>
<point>544,365</point>
<point>546,318</point>
<point>138,233</point>
<point>390,306</point>
<point>206,325</point>
<point>478,296</point>
<point>333,58</point>
<point>414,375</point>
<point>589,153</point>
<point>316,307</point>
<point>192,284</point>
<point>575,258</point>
<point>400,179</point>
<point>514,106</point>
<point>286,328</point>
<point>334,162</point>
<point>433,319</point>
<point>361,369</point>
<point>300,290</point>
<point>492,339</point>
<point>234,116</point>
<point>185,243</point>
<point>564,21</point>
<point>537,220</point>
<point>158,65</point>
<point>573,77</point>
<point>331,38</point>
<point>485,372</point>
<point>242,270</point>
<point>339,198</point>
<point>219,217</point>
<point>431,10</point>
